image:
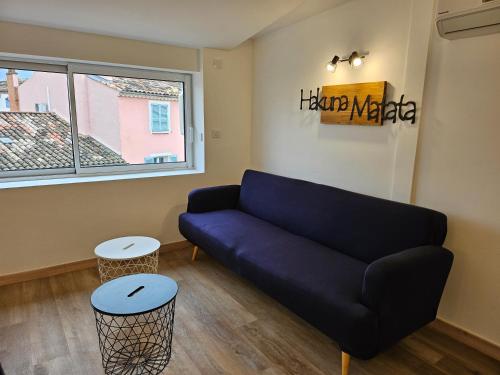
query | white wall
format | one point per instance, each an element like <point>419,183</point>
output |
<point>50,225</point>
<point>458,173</point>
<point>44,41</point>
<point>293,142</point>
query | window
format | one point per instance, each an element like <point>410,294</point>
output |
<point>160,158</point>
<point>41,107</point>
<point>159,117</point>
<point>100,120</point>
<point>34,143</point>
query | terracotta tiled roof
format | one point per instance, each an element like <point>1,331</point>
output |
<point>141,87</point>
<point>32,140</point>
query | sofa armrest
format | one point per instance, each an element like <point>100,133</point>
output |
<point>405,277</point>
<point>213,198</point>
<point>405,288</point>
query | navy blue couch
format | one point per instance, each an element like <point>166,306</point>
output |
<point>366,271</point>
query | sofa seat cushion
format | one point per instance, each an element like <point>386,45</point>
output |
<point>320,284</point>
<point>218,232</point>
<point>221,232</point>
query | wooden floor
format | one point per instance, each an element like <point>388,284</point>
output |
<point>223,326</point>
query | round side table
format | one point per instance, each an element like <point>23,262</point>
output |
<point>134,319</point>
<point>126,256</point>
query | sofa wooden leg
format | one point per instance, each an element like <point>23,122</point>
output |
<point>195,252</point>
<point>346,360</point>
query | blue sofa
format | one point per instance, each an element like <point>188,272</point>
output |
<point>366,271</point>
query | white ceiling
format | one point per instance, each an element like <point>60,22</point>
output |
<point>304,10</point>
<point>193,23</point>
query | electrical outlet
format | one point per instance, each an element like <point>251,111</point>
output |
<point>216,133</point>
<point>217,64</point>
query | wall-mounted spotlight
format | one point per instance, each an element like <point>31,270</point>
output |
<point>355,61</point>
<point>332,65</point>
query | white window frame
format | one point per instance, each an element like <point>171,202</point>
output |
<point>77,171</point>
<point>150,105</point>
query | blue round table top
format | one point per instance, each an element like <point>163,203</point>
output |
<point>134,294</point>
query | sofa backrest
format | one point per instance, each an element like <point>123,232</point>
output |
<point>364,227</point>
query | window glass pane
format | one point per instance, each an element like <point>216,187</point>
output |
<point>138,121</point>
<point>35,133</point>
<point>155,117</point>
<point>159,117</point>
<point>164,118</point>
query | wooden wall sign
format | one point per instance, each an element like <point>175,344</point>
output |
<point>358,104</point>
<point>353,98</point>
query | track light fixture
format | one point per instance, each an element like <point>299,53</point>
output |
<point>355,60</point>
<point>332,65</point>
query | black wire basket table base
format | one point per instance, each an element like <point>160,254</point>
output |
<point>136,344</point>
<point>134,317</point>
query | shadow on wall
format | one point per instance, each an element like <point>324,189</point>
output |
<point>470,278</point>
<point>169,229</point>
<point>363,134</point>
<point>463,232</point>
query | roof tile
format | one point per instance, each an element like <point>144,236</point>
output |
<point>137,87</point>
<point>43,140</point>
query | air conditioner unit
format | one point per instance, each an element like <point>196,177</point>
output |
<point>467,18</point>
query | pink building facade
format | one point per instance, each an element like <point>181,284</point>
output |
<point>120,113</point>
<point>49,90</point>
<point>132,112</point>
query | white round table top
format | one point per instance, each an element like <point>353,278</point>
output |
<point>127,247</point>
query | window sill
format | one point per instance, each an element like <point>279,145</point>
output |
<point>47,181</point>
